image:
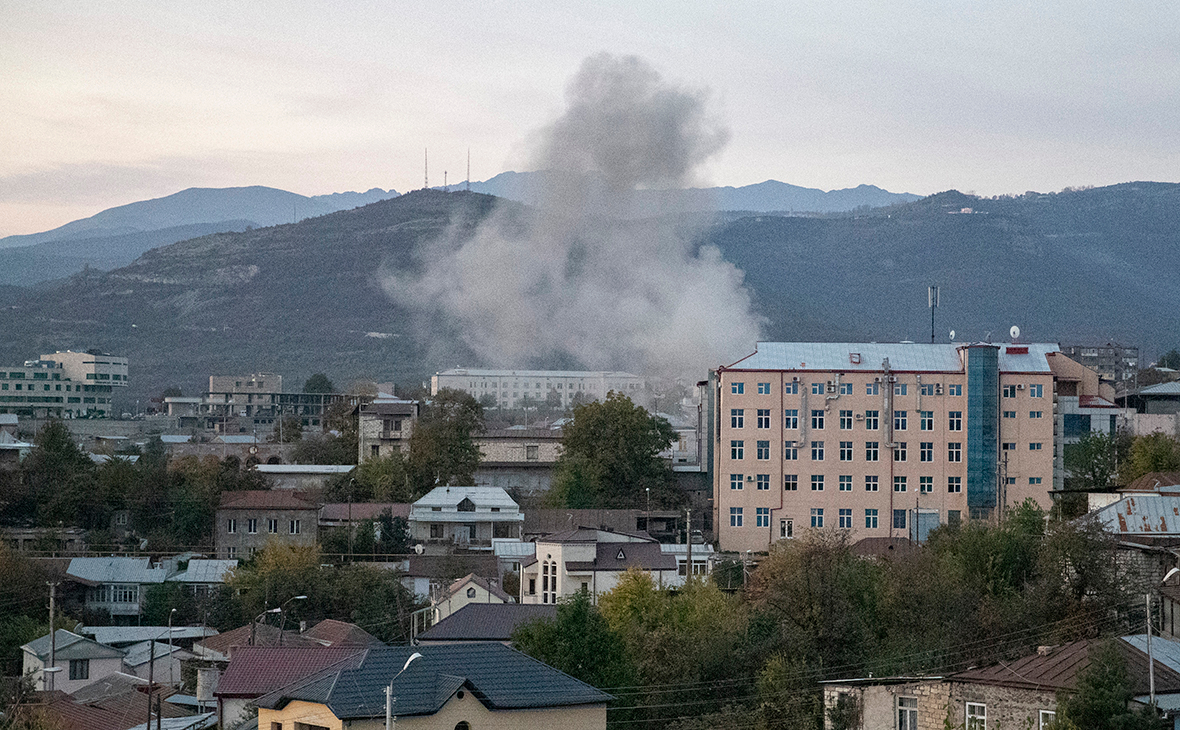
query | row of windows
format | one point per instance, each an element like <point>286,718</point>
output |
<point>872,419</point>
<point>954,485</point>
<point>874,388</point>
<point>44,387</point>
<point>847,450</point>
<point>272,526</point>
<point>844,518</point>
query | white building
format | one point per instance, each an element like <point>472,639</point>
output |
<point>465,516</point>
<point>510,387</point>
<point>592,560</point>
<point>79,661</point>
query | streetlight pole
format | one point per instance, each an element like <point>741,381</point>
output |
<point>254,623</point>
<point>171,679</point>
<point>390,720</point>
<point>283,615</point>
<point>152,669</point>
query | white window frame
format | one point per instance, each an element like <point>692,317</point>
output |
<point>976,716</point>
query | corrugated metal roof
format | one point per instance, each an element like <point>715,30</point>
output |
<point>482,497</point>
<point>70,646</point>
<point>478,373</point>
<point>1172,388</point>
<point>169,438</point>
<point>141,653</point>
<point>903,357</point>
<point>1154,515</point>
<point>304,468</point>
<point>114,635</point>
<point>512,548</point>
<point>187,722</point>
<point>116,570</point>
<point>205,571</point>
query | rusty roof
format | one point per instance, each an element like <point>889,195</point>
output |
<point>1147,514</point>
<point>265,499</point>
<point>331,632</point>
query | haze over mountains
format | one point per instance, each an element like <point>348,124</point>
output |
<point>1078,266</point>
<point>117,236</point>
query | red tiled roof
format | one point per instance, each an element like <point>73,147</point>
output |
<point>1059,668</point>
<point>338,512</point>
<point>264,635</point>
<point>1153,480</point>
<point>256,670</point>
<point>1094,401</point>
<point>265,499</point>
<point>331,632</point>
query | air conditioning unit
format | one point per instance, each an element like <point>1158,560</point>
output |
<point>938,389</point>
<point>1020,386</point>
<point>795,379</point>
<point>892,378</point>
<point>860,416</point>
<point>749,477</point>
<point>876,380</point>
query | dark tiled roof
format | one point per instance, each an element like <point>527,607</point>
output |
<point>445,566</point>
<point>264,635</point>
<point>1152,481</point>
<point>500,677</point>
<point>549,521</point>
<point>618,556</point>
<point>331,632</point>
<point>66,714</point>
<point>335,512</point>
<point>880,547</point>
<point>265,499</point>
<point>487,621</point>
<point>255,670</point>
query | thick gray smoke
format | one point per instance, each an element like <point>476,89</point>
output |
<point>576,282</point>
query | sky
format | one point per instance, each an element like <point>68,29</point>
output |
<point>106,103</point>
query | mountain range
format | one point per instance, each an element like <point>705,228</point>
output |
<point>117,236</point>
<point>1082,266</point>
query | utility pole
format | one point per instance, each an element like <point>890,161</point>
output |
<point>932,302</point>
<point>688,533</point>
<point>52,635</point>
<point>151,677</point>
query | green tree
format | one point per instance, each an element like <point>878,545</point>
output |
<point>318,383</point>
<point>1091,463</point>
<point>442,445</point>
<point>1154,452</point>
<point>610,456</point>
<point>1170,359</point>
<point>291,430</point>
<point>324,448</point>
<point>1100,699</point>
<point>58,478</point>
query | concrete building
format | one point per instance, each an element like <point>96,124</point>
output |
<point>1112,362</point>
<point>63,385</point>
<point>465,517</point>
<point>592,560</point>
<point>1085,404</point>
<point>518,459</point>
<point>248,520</point>
<point>302,477</point>
<point>252,383</point>
<point>882,440</point>
<point>79,661</point>
<point>511,387</point>
<point>385,426</point>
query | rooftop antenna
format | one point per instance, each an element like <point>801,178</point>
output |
<point>952,335</point>
<point>426,168</point>
<point>469,169</point>
<point>932,302</point>
<point>446,188</point>
<point>1015,332</point>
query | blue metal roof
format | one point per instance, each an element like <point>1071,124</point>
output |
<point>1151,515</point>
<point>903,356</point>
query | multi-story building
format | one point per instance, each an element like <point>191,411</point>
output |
<point>520,388</point>
<point>518,459</point>
<point>63,385</point>
<point>1113,362</point>
<point>249,411</point>
<point>252,383</point>
<point>465,517</point>
<point>591,560</point>
<point>385,426</point>
<point>248,520</point>
<point>882,440</point>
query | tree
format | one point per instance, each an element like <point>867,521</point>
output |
<point>580,643</point>
<point>172,391</point>
<point>59,478</point>
<point>442,447</point>
<point>290,431</point>
<point>1100,699</point>
<point>1154,452</point>
<point>318,383</point>
<point>610,456</point>
<point>1170,359</point>
<point>1090,464</point>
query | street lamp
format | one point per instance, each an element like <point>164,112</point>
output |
<point>171,679</point>
<point>254,623</point>
<point>152,666</point>
<point>1150,658</point>
<point>390,720</point>
<point>283,614</point>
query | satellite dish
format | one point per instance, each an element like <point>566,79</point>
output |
<point>419,549</point>
<point>1015,332</point>
<point>952,335</point>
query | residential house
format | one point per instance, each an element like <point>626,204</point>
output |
<point>880,440</point>
<point>12,449</point>
<point>591,560</point>
<point>518,459</point>
<point>468,589</point>
<point>465,517</point>
<point>116,585</point>
<point>248,520</point>
<point>448,686</point>
<point>331,632</point>
<point>156,660</point>
<point>1022,693</point>
<point>204,576</point>
<point>485,622</point>
<point>384,426</point>
<point>80,661</point>
<point>254,671</point>
<point>220,648</point>
<point>121,637</point>
<point>123,695</point>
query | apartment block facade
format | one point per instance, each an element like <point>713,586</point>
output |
<point>517,388</point>
<point>881,440</point>
<point>63,385</point>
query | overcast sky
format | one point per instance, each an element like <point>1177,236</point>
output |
<point>105,103</point>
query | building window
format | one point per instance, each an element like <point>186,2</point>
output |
<point>79,669</point>
<point>954,421</point>
<point>845,388</point>
<point>1009,446</point>
<point>532,453</point>
<point>900,388</point>
<point>1034,446</point>
<point>231,526</point>
<point>1034,414</point>
<point>907,713</point>
<point>817,517</point>
<point>125,594</point>
<point>1009,391</point>
<point>954,451</point>
<point>786,529</point>
<point>791,388</point>
<point>1045,718</point>
<point>763,450</point>
<point>899,452</point>
<point>1034,480</point>
<point>252,526</point>
<point>926,389</point>
<point>763,418</point>
<point>926,451</point>
<point>871,519</point>
<point>871,451</point>
<point>791,482</point>
<point>954,485</point>
<point>976,716</point>
<point>735,516</point>
<point>294,527</point>
<point>845,482</point>
<point>1036,391</point>
<point>899,519</point>
<point>763,482</point>
<point>762,517</point>
<point>872,420</point>
<point>926,420</point>
<point>872,483</point>
<point>737,388</point>
<point>272,526</point>
<point>231,552</point>
<point>817,419</point>
<point>817,450</point>
<point>899,420</point>
<point>871,389</point>
<point>955,389</point>
<point>899,484</point>
<point>737,417</point>
<point>845,451</point>
<point>845,519</point>
<point>1009,414</point>
<point>764,389</point>
<point>817,482</point>
<point>925,485</point>
<point>736,481</point>
<point>817,388</point>
<point>791,418</point>
<point>790,453</point>
<point>737,449</point>
<point>845,420</point>
<point>436,532</point>
<point>1010,480</point>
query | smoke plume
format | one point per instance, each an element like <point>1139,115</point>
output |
<point>578,281</point>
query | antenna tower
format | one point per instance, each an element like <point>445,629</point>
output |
<point>932,302</point>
